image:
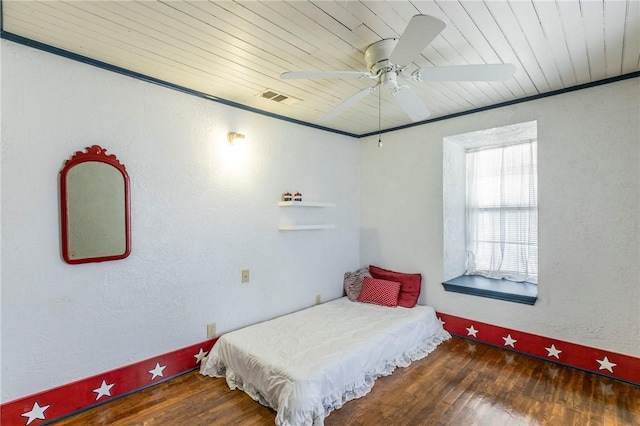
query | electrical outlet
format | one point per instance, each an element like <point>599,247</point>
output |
<point>318,299</point>
<point>245,275</point>
<point>211,330</point>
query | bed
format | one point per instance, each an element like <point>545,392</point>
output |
<point>306,364</point>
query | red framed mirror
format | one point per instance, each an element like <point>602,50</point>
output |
<point>94,207</point>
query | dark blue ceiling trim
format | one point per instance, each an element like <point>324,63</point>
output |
<point>80,58</point>
<point>507,103</point>
<point>84,59</point>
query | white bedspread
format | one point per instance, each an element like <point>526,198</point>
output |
<point>306,364</point>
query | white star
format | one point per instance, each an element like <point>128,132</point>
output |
<point>605,364</point>
<point>509,341</point>
<point>472,331</point>
<point>103,390</point>
<point>37,412</point>
<point>441,322</point>
<point>553,351</point>
<point>200,355</point>
<point>157,371</point>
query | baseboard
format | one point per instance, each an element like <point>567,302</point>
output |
<point>600,361</point>
<point>81,395</point>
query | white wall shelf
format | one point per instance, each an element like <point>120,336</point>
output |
<point>304,227</point>
<point>304,204</point>
<point>296,227</point>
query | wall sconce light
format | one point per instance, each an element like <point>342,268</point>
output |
<point>232,136</point>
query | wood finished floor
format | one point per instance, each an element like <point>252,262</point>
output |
<point>460,383</point>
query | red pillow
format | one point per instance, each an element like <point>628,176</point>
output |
<point>380,292</point>
<point>409,284</point>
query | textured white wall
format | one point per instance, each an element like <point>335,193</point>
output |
<point>589,214</point>
<point>1,50</point>
<point>453,209</point>
<point>202,210</point>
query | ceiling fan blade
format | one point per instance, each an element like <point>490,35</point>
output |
<point>421,31</point>
<point>295,75</point>
<point>411,103</point>
<point>348,103</point>
<point>482,72</point>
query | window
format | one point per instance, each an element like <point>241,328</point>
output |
<point>502,211</point>
<point>490,213</point>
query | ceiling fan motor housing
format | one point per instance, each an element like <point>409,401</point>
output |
<point>377,55</point>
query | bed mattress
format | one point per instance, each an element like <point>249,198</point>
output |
<point>306,364</point>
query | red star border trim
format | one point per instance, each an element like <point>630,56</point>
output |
<point>599,361</point>
<point>52,404</point>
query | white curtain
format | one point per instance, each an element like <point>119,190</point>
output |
<point>502,212</point>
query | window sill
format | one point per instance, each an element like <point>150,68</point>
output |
<point>509,291</point>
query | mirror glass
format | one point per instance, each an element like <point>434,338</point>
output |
<point>94,207</point>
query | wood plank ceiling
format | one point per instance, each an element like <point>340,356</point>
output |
<point>236,50</point>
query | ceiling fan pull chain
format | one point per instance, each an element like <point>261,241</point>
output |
<point>379,118</point>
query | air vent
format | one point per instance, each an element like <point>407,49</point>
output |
<point>279,97</point>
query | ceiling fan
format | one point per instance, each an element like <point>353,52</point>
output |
<point>388,59</point>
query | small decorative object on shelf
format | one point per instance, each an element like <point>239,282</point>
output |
<point>286,196</point>
<point>297,196</point>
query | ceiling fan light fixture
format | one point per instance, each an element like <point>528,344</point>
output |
<point>389,80</point>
